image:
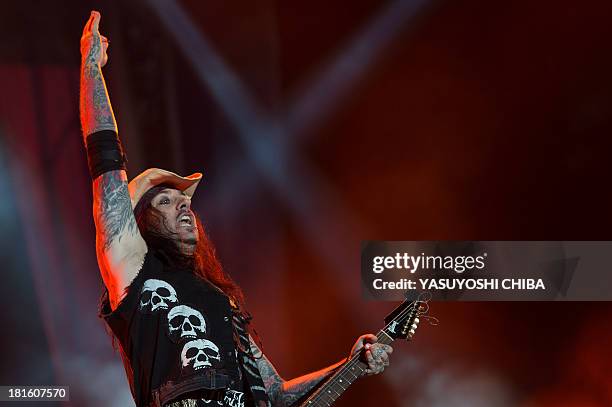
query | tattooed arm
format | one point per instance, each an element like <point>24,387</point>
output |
<point>119,247</point>
<point>286,392</point>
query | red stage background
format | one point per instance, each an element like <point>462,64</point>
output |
<point>318,125</point>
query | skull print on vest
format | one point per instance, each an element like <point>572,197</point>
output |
<point>156,295</point>
<point>185,322</point>
<point>198,354</point>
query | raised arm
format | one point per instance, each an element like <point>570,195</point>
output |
<point>119,246</point>
<point>287,392</point>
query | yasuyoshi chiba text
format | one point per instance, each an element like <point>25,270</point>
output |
<point>460,284</point>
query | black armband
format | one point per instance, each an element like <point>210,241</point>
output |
<point>104,153</point>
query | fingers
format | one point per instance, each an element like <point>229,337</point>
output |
<point>87,28</point>
<point>95,25</point>
<point>366,339</point>
<point>379,348</point>
<point>375,366</point>
<point>369,338</point>
<point>92,26</point>
<point>363,341</point>
<point>370,359</point>
<point>377,357</point>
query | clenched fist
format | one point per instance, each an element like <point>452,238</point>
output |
<point>93,44</point>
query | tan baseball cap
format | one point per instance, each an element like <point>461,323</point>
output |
<point>155,176</point>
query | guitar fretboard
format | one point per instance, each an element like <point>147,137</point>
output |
<point>342,378</point>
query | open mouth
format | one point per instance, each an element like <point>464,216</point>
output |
<point>185,220</point>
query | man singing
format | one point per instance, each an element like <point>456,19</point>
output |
<point>179,321</point>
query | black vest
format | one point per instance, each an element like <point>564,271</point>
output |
<point>176,338</point>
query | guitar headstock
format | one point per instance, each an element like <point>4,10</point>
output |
<point>403,321</point>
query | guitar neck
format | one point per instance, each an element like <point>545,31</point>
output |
<point>342,378</point>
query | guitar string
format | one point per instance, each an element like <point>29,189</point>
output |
<point>354,360</point>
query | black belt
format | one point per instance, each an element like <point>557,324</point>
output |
<point>210,384</point>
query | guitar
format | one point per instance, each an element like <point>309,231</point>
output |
<point>400,323</point>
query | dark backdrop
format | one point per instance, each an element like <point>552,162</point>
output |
<point>318,125</point>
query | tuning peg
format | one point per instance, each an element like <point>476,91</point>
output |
<point>414,326</point>
<point>411,332</point>
<point>416,320</point>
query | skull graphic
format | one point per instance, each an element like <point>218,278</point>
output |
<point>185,322</point>
<point>156,294</point>
<point>199,353</point>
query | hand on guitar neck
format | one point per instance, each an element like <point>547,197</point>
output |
<point>370,354</point>
<point>374,354</point>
